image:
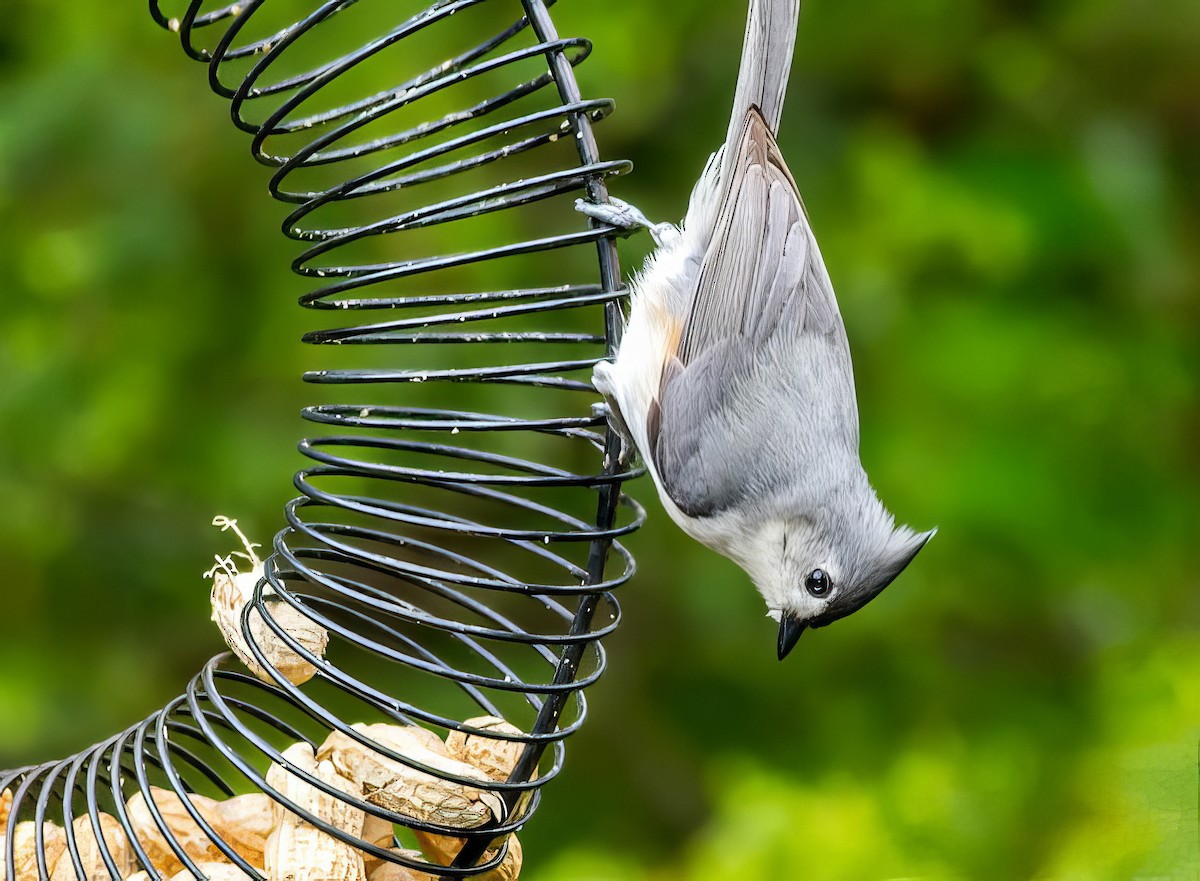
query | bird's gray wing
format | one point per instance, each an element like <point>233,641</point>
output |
<point>762,364</point>
<point>761,265</point>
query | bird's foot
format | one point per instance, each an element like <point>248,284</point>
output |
<point>617,426</point>
<point>620,214</point>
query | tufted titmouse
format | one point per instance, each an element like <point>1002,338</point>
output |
<point>733,377</point>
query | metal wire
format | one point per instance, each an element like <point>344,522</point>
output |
<point>456,552</point>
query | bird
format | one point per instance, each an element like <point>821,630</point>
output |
<point>733,377</point>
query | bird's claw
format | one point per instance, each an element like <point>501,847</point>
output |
<point>625,454</point>
<point>614,212</point>
<point>625,217</point>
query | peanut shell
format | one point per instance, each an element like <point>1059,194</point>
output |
<point>232,591</point>
<point>496,758</point>
<point>331,810</point>
<point>442,849</point>
<point>24,847</point>
<point>231,594</point>
<point>378,832</point>
<point>244,822</point>
<point>198,846</point>
<point>385,871</point>
<point>396,787</point>
<point>214,872</point>
<point>428,739</point>
<point>296,850</point>
<point>90,852</point>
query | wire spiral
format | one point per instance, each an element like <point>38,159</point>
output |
<point>454,551</point>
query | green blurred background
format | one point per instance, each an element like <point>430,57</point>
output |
<point>1005,194</point>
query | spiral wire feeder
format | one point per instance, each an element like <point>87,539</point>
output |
<point>455,554</point>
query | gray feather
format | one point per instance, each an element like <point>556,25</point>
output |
<point>763,378</point>
<point>766,62</point>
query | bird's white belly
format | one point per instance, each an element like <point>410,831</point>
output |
<point>660,299</point>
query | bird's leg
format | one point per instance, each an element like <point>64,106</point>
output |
<point>609,409</point>
<point>622,215</point>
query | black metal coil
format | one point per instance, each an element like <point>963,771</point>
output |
<point>455,552</point>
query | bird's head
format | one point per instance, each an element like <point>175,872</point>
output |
<point>814,570</point>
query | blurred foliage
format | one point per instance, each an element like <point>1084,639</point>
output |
<point>1005,194</point>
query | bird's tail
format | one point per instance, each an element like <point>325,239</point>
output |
<point>766,63</point>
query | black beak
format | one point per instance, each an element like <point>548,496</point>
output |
<point>790,628</point>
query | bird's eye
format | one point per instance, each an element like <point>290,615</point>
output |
<point>817,583</point>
